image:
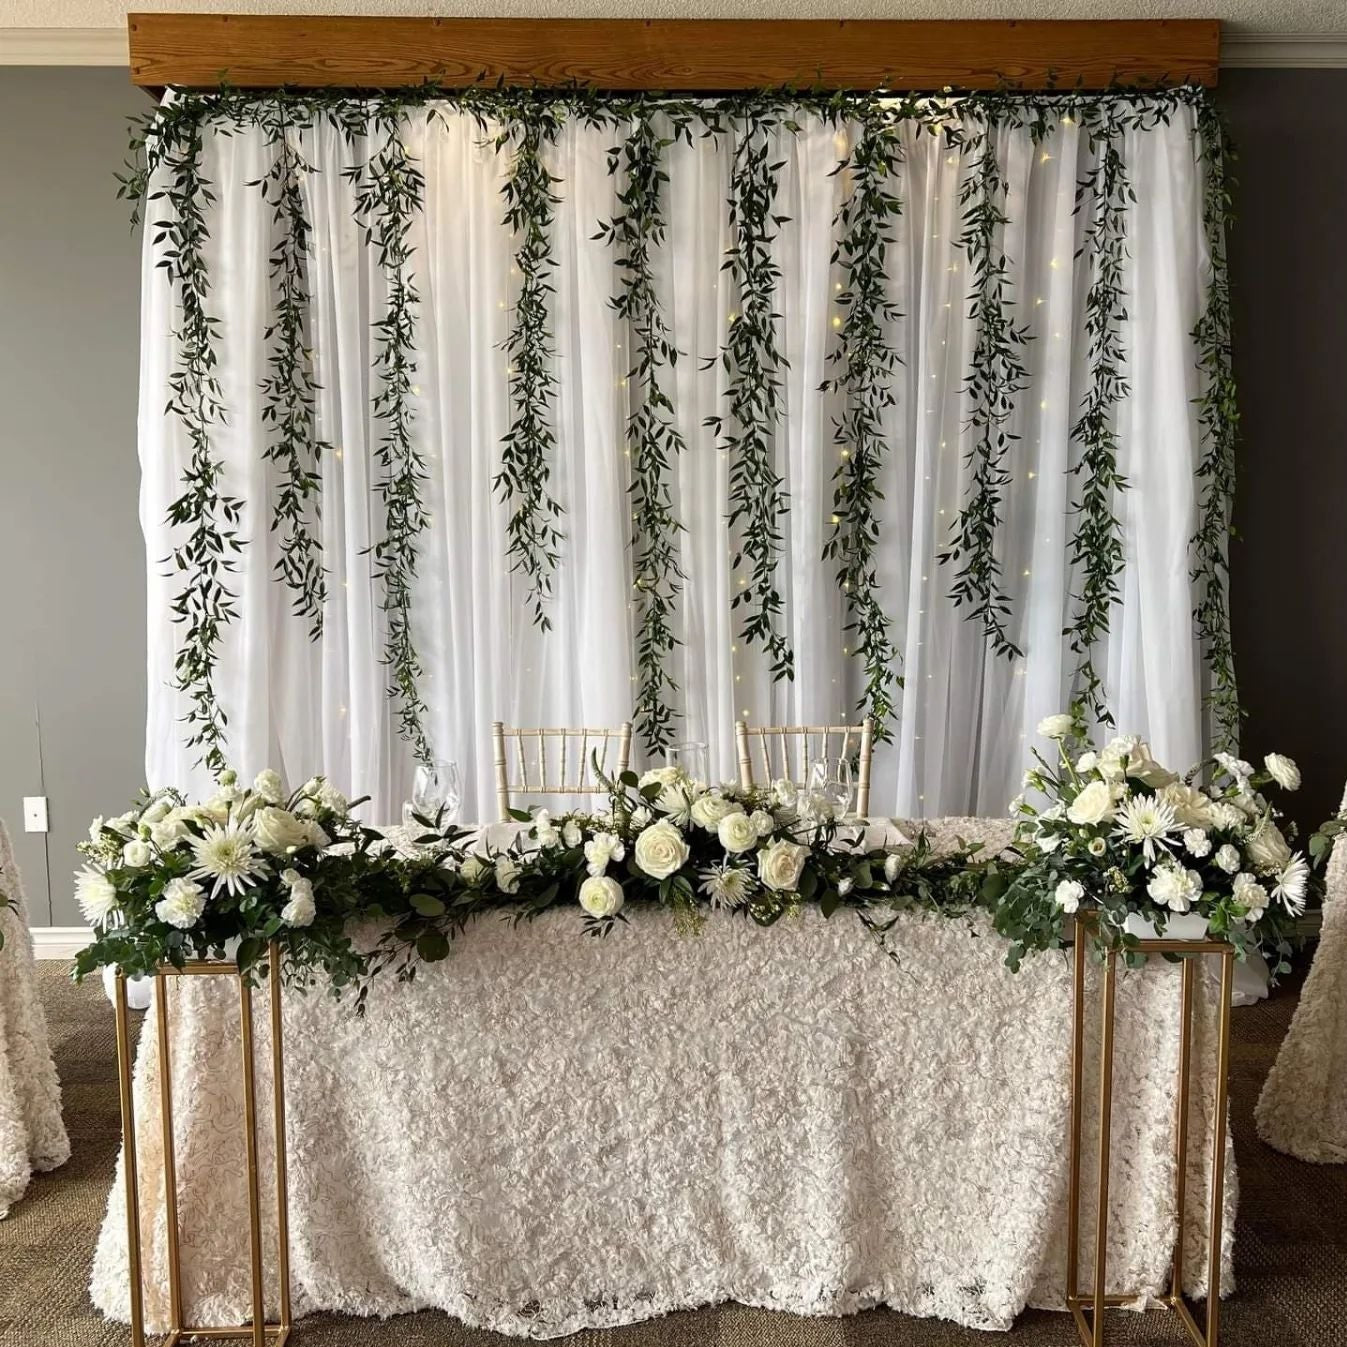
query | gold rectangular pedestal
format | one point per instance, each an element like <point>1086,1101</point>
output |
<point>261,1333</point>
<point>1088,1307</point>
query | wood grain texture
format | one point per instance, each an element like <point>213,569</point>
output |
<point>702,55</point>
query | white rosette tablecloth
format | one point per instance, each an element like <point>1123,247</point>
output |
<point>549,1132</point>
<point>32,1135</point>
<point>1303,1108</point>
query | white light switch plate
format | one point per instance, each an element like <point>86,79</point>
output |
<point>35,813</point>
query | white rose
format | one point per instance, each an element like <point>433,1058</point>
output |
<point>474,870</point>
<point>1056,727</point>
<point>785,794</point>
<point>1191,807</point>
<point>1142,766</point>
<point>709,809</point>
<point>1197,843</point>
<point>763,822</point>
<point>1087,762</point>
<point>1228,859</point>
<point>601,849</point>
<point>1174,887</point>
<point>279,831</point>
<point>571,834</point>
<point>291,877</point>
<point>507,875</point>
<point>892,864</point>
<point>123,823</point>
<point>157,810</point>
<point>781,864</point>
<point>314,835</point>
<point>182,904</point>
<point>1283,770</point>
<point>1097,846</point>
<point>168,833</point>
<point>97,895</point>
<point>601,896</point>
<point>136,855</point>
<point>270,787</point>
<point>1267,848</point>
<point>1093,805</point>
<point>661,850</point>
<point>1068,895</point>
<point>300,910</point>
<point>663,777</point>
<point>737,832</point>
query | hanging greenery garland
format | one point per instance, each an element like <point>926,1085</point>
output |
<point>390,190</point>
<point>636,234</point>
<point>524,479</point>
<point>1218,417</point>
<point>866,361</point>
<point>289,389</point>
<point>1097,543</point>
<point>753,362</point>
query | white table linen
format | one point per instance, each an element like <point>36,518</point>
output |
<point>549,1132</point>
<point>32,1135</point>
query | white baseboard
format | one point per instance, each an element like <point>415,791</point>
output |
<point>59,942</point>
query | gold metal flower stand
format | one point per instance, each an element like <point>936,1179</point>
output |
<point>1087,1307</point>
<point>261,1333</point>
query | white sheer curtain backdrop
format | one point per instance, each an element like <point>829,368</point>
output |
<point>966,719</point>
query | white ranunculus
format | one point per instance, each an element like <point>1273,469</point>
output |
<point>1175,887</point>
<point>709,809</point>
<point>601,896</point>
<point>763,822</point>
<point>1056,727</point>
<point>892,864</point>
<point>1197,843</point>
<point>507,874</point>
<point>661,850</point>
<point>737,832</point>
<point>1283,770</point>
<point>278,831</point>
<point>269,786</point>
<point>1228,859</point>
<point>300,910</point>
<point>474,870</point>
<point>1093,805</point>
<point>97,895</point>
<point>136,855</point>
<point>182,904</point>
<point>781,864</point>
<point>601,849</point>
<point>1267,848</point>
<point>1068,895</point>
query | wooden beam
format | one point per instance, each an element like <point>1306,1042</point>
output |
<point>701,55</point>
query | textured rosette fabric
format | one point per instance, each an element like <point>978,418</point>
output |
<point>32,1135</point>
<point>1303,1108</point>
<point>548,1132</point>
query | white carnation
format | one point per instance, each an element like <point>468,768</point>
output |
<point>1283,770</point>
<point>474,870</point>
<point>507,875</point>
<point>269,786</point>
<point>661,850</point>
<point>182,904</point>
<point>1250,895</point>
<point>781,864</point>
<point>1087,762</point>
<point>1237,767</point>
<point>544,830</point>
<point>1068,895</point>
<point>1228,859</point>
<point>1056,727</point>
<point>97,895</point>
<point>1197,843</point>
<point>601,849</point>
<point>737,832</point>
<point>763,822</point>
<point>571,833</point>
<point>300,910</point>
<point>893,863</point>
<point>1175,887</point>
<point>601,896</point>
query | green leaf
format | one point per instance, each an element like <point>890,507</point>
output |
<point>432,946</point>
<point>427,905</point>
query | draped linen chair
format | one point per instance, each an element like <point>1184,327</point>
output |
<point>1302,1110</point>
<point>784,752</point>
<point>556,761</point>
<point>32,1135</point>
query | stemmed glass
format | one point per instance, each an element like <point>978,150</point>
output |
<point>829,784</point>
<point>691,757</point>
<point>436,794</point>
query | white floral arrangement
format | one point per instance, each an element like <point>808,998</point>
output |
<point>1111,831</point>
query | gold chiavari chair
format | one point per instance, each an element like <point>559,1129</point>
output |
<point>784,752</point>
<point>555,761</point>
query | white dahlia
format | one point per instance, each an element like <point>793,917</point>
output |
<point>225,854</point>
<point>96,894</point>
<point>726,886</point>
<point>1148,822</point>
<point>1292,884</point>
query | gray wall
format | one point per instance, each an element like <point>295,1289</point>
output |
<point>72,574</point>
<point>72,608</point>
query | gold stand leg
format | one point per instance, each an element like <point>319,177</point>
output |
<point>261,1333</point>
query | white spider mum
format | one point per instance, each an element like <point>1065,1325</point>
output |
<point>726,885</point>
<point>225,854</point>
<point>1149,823</point>
<point>1293,884</point>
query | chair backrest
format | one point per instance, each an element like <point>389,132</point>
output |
<point>784,752</point>
<point>555,761</point>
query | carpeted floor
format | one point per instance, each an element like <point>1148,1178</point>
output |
<point>1290,1257</point>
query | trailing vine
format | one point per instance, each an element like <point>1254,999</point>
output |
<point>390,190</point>
<point>524,478</point>
<point>753,362</point>
<point>205,604</point>
<point>995,375</point>
<point>288,390</point>
<point>636,233</point>
<point>865,360</point>
<point>1097,543</point>
<point>1218,418</point>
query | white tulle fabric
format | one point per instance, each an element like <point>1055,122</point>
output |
<point>967,716</point>
<point>32,1135</point>
<point>548,1133</point>
<point>1303,1107</point>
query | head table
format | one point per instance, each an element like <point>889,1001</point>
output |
<point>548,1132</point>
